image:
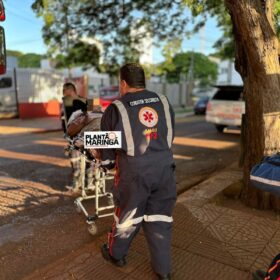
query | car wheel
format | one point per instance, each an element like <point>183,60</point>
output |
<point>220,128</point>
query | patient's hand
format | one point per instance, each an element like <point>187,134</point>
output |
<point>95,153</point>
<point>79,143</point>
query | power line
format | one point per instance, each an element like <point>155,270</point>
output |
<point>21,16</point>
<point>24,42</point>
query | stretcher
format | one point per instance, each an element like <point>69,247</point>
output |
<point>91,180</point>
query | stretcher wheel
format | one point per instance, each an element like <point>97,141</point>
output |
<point>92,229</point>
<point>110,200</point>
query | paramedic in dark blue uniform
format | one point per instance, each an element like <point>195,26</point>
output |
<point>144,190</point>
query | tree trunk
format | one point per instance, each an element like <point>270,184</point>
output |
<point>258,64</point>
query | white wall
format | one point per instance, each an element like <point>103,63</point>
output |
<point>12,62</point>
<point>39,85</point>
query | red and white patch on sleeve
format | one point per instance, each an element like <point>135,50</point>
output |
<point>148,116</point>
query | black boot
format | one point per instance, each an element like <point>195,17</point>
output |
<point>164,277</point>
<point>106,255</point>
<point>259,275</point>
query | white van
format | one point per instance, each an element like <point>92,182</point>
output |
<point>226,107</point>
<point>8,102</point>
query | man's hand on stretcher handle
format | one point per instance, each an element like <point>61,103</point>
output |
<point>95,153</point>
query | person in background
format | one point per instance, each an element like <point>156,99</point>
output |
<point>70,92</point>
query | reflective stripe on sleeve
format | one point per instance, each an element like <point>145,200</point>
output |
<point>126,127</point>
<point>168,118</point>
<point>158,218</point>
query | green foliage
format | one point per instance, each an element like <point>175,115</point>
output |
<point>204,70</point>
<point>115,22</point>
<point>118,23</point>
<point>216,8</point>
<point>14,53</point>
<point>81,54</point>
<point>28,60</point>
<point>172,48</point>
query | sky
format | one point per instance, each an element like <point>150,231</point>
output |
<point>23,32</point>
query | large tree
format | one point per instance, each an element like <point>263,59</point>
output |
<point>204,70</point>
<point>119,24</point>
<point>257,60</point>
<point>255,24</point>
<point>80,54</point>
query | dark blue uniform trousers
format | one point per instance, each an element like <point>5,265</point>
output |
<point>144,195</point>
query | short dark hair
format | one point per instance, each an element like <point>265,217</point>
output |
<point>69,85</point>
<point>79,105</point>
<point>133,74</point>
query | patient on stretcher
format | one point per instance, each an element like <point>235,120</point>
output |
<point>80,121</point>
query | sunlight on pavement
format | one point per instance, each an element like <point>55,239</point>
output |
<point>175,156</point>
<point>203,143</point>
<point>17,195</point>
<point>6,130</point>
<point>38,158</point>
<point>51,142</point>
<point>232,131</point>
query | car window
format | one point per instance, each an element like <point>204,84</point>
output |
<point>228,94</point>
<point>6,82</point>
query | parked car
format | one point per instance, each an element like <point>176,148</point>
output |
<point>200,105</point>
<point>107,95</point>
<point>226,107</point>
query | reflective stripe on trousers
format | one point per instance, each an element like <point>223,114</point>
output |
<point>130,220</point>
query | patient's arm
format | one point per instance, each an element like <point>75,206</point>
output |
<point>76,125</point>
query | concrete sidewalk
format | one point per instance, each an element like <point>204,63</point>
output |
<point>209,242</point>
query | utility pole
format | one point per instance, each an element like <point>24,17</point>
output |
<point>202,39</point>
<point>16,92</point>
<point>65,8</point>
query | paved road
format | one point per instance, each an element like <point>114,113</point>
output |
<point>38,222</point>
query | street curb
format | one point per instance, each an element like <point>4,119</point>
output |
<point>204,192</point>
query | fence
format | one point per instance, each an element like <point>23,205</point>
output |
<point>178,94</point>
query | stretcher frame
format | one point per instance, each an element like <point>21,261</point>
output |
<point>96,190</point>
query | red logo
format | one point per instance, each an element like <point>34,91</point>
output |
<point>148,116</point>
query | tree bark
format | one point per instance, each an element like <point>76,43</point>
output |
<point>258,63</point>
